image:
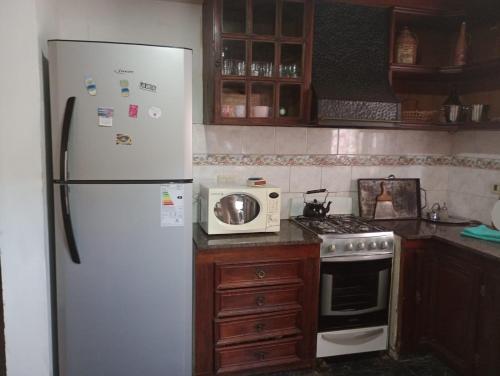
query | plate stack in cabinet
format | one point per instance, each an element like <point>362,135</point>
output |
<point>257,61</point>
<point>256,309</point>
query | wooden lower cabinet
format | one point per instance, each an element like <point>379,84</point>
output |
<point>451,306</point>
<point>256,309</point>
<point>487,357</point>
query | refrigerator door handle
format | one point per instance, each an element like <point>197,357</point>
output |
<point>63,170</point>
<point>63,156</point>
<point>68,226</point>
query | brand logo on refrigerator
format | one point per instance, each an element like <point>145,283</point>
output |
<point>123,71</point>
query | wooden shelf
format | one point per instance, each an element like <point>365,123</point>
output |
<point>407,125</point>
<point>407,71</point>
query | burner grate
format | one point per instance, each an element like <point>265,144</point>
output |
<point>338,224</point>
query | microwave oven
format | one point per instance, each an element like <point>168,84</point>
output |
<point>233,209</point>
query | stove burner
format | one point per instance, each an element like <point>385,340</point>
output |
<point>338,224</point>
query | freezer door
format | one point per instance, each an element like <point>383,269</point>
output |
<point>154,143</point>
<point>126,309</point>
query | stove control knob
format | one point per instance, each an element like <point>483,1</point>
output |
<point>349,247</point>
<point>361,246</point>
<point>332,248</point>
<point>372,245</point>
<point>384,244</point>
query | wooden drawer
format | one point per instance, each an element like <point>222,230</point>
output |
<point>254,328</point>
<point>257,300</point>
<point>257,274</point>
<point>262,355</point>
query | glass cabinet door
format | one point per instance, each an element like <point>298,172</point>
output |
<point>262,100</point>
<point>233,57</point>
<point>290,100</point>
<point>292,19</point>
<point>291,61</point>
<point>264,17</point>
<point>234,16</point>
<point>233,100</point>
<point>262,59</point>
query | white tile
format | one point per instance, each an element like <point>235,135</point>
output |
<point>199,139</point>
<point>303,179</point>
<point>355,141</point>
<point>274,175</point>
<point>470,206</point>
<point>422,142</point>
<point>205,174</point>
<point>336,179</point>
<point>258,140</point>
<point>291,140</point>
<point>434,177</point>
<point>223,139</point>
<point>322,141</point>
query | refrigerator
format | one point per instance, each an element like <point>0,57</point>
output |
<point>122,185</point>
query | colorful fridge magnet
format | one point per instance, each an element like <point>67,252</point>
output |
<point>154,112</point>
<point>123,139</point>
<point>147,86</point>
<point>133,109</point>
<point>105,115</point>
<point>124,88</point>
<point>90,85</point>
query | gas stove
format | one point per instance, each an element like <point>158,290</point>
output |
<point>349,238</point>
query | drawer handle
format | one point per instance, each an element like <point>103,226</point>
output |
<point>260,273</point>
<point>259,327</point>
<point>260,300</point>
<point>260,355</point>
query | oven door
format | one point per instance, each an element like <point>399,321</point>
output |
<point>354,294</point>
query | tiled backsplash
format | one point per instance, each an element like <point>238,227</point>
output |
<point>299,159</point>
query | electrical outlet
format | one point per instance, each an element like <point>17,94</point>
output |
<point>496,189</point>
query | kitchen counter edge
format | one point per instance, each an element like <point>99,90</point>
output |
<point>289,234</point>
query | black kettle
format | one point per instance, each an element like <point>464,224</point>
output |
<point>316,209</point>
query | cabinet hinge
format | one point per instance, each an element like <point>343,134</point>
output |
<point>477,358</point>
<point>418,297</point>
<point>482,290</point>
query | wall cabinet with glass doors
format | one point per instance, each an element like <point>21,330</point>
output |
<point>257,61</point>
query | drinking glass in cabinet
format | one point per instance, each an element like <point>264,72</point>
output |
<point>261,100</point>
<point>289,100</point>
<point>292,15</point>
<point>291,61</point>
<point>264,17</point>
<point>233,100</point>
<point>262,59</point>
<point>234,16</point>
<point>233,58</point>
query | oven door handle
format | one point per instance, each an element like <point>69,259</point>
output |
<point>352,338</point>
<point>379,256</point>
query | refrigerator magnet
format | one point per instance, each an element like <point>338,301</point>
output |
<point>90,85</point>
<point>147,86</point>
<point>123,139</point>
<point>133,110</point>
<point>154,112</point>
<point>105,116</point>
<point>124,88</point>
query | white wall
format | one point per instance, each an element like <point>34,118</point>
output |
<point>146,21</point>
<point>22,199</point>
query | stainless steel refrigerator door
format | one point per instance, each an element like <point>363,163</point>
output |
<point>127,308</point>
<point>160,146</point>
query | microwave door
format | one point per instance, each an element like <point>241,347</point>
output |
<point>237,209</point>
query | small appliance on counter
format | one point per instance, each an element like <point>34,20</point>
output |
<point>233,209</point>
<point>314,208</point>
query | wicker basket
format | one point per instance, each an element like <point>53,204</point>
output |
<point>420,115</point>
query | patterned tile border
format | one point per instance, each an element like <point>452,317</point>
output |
<point>344,160</point>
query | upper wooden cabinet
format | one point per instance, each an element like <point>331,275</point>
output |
<point>257,61</point>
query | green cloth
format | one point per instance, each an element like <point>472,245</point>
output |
<point>482,232</point>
